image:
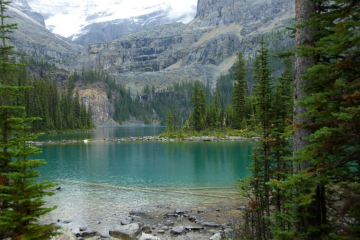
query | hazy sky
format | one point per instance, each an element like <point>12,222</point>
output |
<point>67,17</point>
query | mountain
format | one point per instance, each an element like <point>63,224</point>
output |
<point>90,21</point>
<point>24,7</point>
<point>33,39</point>
<point>203,49</point>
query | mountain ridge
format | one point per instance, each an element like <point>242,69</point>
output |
<point>202,50</point>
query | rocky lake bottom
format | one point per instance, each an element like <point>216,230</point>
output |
<point>98,212</point>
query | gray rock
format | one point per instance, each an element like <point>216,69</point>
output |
<point>137,212</point>
<point>194,228</point>
<point>136,218</point>
<point>216,236</point>
<point>148,237</point>
<point>165,228</point>
<point>146,229</point>
<point>177,230</point>
<point>211,224</point>
<point>67,221</point>
<point>127,231</point>
<point>82,229</point>
<point>88,234</point>
<point>169,223</point>
<point>161,231</point>
<point>191,218</point>
<point>180,212</point>
<point>104,235</point>
<point>241,208</point>
<point>170,215</point>
<point>125,222</point>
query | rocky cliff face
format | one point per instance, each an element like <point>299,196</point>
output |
<point>95,96</point>
<point>202,49</point>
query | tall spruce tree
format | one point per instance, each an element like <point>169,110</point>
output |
<point>199,106</point>
<point>239,92</point>
<point>328,166</point>
<point>21,202</point>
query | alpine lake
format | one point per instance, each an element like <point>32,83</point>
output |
<point>101,182</point>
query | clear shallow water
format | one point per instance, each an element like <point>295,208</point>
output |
<point>101,133</point>
<point>102,178</point>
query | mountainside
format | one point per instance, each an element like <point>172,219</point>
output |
<point>33,39</point>
<point>202,49</point>
<point>108,31</point>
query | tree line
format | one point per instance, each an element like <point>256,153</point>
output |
<point>60,108</point>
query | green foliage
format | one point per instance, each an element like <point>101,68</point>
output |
<point>270,113</point>
<point>334,151</point>
<point>21,202</point>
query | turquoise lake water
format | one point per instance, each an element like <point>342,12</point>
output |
<point>99,178</point>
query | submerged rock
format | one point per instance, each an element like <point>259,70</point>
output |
<point>146,229</point>
<point>191,218</point>
<point>131,231</point>
<point>125,222</point>
<point>88,234</point>
<point>194,228</point>
<point>210,224</point>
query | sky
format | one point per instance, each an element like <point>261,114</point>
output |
<point>67,17</point>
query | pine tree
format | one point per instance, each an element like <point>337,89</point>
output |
<point>239,92</point>
<point>21,201</point>
<point>261,159</point>
<point>169,122</point>
<point>199,106</point>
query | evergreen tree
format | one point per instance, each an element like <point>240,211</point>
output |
<point>169,122</point>
<point>239,92</point>
<point>21,196</point>
<point>199,106</point>
<point>261,159</point>
<point>331,102</point>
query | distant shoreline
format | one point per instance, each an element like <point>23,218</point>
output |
<point>147,138</point>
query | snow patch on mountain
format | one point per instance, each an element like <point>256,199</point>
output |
<point>68,17</point>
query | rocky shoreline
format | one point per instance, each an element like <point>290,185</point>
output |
<point>147,138</point>
<point>164,223</point>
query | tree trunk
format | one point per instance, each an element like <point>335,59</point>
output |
<point>304,37</point>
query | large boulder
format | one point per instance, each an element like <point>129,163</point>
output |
<point>126,232</point>
<point>178,230</point>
